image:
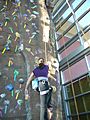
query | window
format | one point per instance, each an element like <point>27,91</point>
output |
<point>85,84</point>
<point>80,87</point>
<point>72,106</point>
<point>66,13</point>
<point>87,102</point>
<point>83,117</point>
<point>69,91</point>
<point>62,41</point>
<point>70,49</point>
<point>77,88</point>
<point>75,3</point>
<point>81,10</point>
<point>74,118</point>
<point>75,71</point>
<point>80,104</point>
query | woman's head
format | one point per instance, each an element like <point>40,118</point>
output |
<point>41,62</point>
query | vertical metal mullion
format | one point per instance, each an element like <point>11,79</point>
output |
<point>65,103</point>
<point>65,97</point>
<point>69,111</point>
<point>87,63</point>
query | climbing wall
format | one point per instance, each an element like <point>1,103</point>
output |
<point>12,64</point>
<point>21,43</point>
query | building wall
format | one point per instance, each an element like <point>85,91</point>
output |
<point>72,34</point>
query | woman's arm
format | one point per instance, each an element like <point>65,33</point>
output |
<point>29,81</point>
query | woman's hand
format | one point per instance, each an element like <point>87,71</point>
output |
<point>26,91</point>
<point>26,94</point>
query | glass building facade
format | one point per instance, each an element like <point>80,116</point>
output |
<point>71,19</point>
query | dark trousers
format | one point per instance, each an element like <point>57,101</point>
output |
<point>43,107</point>
<point>45,102</point>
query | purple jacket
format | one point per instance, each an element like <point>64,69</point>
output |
<point>41,72</point>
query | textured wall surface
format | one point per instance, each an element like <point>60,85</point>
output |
<point>21,43</point>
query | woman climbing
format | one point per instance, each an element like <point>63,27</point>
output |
<point>41,73</point>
